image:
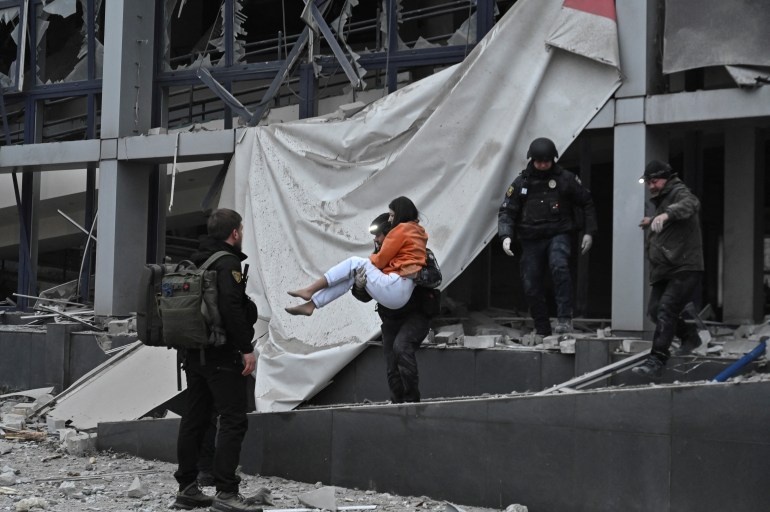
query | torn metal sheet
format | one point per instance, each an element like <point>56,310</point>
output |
<point>384,25</point>
<point>63,8</point>
<point>747,76</point>
<point>589,29</point>
<point>693,37</point>
<point>34,394</point>
<point>9,14</point>
<point>465,35</point>
<point>308,189</point>
<point>149,373</point>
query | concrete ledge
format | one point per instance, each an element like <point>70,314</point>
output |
<point>685,448</point>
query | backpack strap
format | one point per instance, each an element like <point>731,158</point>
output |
<point>214,257</point>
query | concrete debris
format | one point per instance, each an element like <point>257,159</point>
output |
<point>516,508</point>
<point>105,487</point>
<point>117,327</point>
<point>634,346</point>
<point>137,489</point>
<point>323,498</point>
<point>567,345</point>
<point>532,339</point>
<point>77,443</point>
<point>739,346</point>
<point>7,479</point>
<point>13,421</point>
<point>5,448</point>
<point>30,503</point>
<point>68,488</point>
<point>551,342</point>
<point>485,341</point>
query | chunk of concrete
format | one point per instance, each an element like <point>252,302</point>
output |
<point>551,342</point>
<point>137,489</point>
<point>15,421</point>
<point>322,498</point>
<point>530,340</point>
<point>29,503</point>
<point>119,326</point>
<point>487,341</point>
<point>450,334</point>
<point>23,409</point>
<point>78,443</point>
<point>68,488</point>
<point>7,478</point>
<point>54,424</point>
<point>635,346</point>
<point>516,508</point>
<point>739,346</point>
<point>567,345</point>
<point>5,447</point>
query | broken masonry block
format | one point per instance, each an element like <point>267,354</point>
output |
<point>567,346</point>
<point>322,498</point>
<point>487,341</point>
<point>77,443</point>
<point>14,421</point>
<point>117,327</point>
<point>68,488</point>
<point>551,342</point>
<point>446,337</point>
<point>530,340</point>
<point>54,424</point>
<point>635,346</point>
<point>22,409</point>
<point>137,489</point>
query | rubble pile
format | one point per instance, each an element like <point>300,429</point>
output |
<point>43,467</point>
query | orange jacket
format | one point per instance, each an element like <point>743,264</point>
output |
<point>403,250</point>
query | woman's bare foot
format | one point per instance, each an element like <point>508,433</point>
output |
<point>305,309</point>
<point>302,293</point>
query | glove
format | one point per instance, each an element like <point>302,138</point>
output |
<point>657,222</point>
<point>588,241</point>
<point>507,246</point>
<point>360,278</point>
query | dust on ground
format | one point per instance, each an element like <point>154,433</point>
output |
<point>105,481</point>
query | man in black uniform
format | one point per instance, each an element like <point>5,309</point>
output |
<point>674,250</point>
<point>217,377</point>
<point>404,329</point>
<point>543,206</point>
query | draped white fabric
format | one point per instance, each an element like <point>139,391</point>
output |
<point>451,142</point>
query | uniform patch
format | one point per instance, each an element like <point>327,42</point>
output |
<point>237,276</point>
<point>551,183</point>
<point>509,193</point>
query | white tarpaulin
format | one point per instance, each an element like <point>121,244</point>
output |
<point>451,142</point>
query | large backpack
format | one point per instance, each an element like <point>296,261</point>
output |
<point>178,305</point>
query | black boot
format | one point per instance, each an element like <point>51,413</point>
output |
<point>651,367</point>
<point>192,497</point>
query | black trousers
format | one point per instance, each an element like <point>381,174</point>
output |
<point>538,256</point>
<point>401,337</point>
<point>667,301</point>
<point>216,386</point>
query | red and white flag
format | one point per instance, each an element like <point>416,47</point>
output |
<point>588,28</point>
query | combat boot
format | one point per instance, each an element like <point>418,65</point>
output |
<point>232,502</point>
<point>651,367</point>
<point>192,497</point>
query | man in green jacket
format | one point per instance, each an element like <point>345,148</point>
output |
<point>675,254</point>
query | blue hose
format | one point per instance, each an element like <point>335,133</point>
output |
<point>740,363</point>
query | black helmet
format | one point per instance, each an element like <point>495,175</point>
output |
<point>658,169</point>
<point>380,225</point>
<point>542,149</point>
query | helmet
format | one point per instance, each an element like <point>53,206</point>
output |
<point>380,225</point>
<point>542,149</point>
<point>658,169</point>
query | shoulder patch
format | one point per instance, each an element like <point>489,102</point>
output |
<point>509,192</point>
<point>237,276</point>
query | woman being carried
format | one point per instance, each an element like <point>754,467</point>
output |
<point>389,272</point>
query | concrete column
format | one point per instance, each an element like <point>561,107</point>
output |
<point>123,187</point>
<point>634,145</point>
<point>743,247</point>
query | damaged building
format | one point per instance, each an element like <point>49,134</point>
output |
<point>125,121</point>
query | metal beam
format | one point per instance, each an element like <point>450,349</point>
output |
<point>193,147</point>
<point>716,105</point>
<point>49,156</point>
